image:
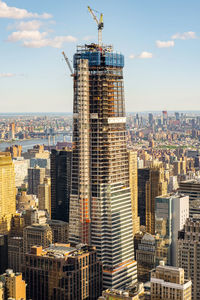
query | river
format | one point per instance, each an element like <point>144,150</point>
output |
<point>28,144</point>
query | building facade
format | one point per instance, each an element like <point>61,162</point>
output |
<point>36,235</point>
<point>14,287</point>
<point>60,231</point>
<point>133,175</point>
<point>35,178</point>
<point>44,195</point>
<point>171,213</point>
<point>15,253</point>
<point>70,273</point>
<point>60,184</point>
<point>188,253</point>
<point>100,201</point>
<point>7,192</point>
<point>151,183</point>
<point>169,283</point>
<point>3,253</point>
<point>146,257</point>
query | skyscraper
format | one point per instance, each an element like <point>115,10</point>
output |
<point>143,179</point>
<point>171,213</point>
<point>35,178</point>
<point>100,202</point>
<point>44,195</point>
<point>151,183</point>
<point>189,253</point>
<point>133,175</point>
<point>60,184</point>
<point>7,192</point>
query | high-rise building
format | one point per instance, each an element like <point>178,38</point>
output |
<point>59,231</point>
<point>165,117</point>
<point>15,253</point>
<point>44,195</point>
<point>190,188</point>
<point>73,273</point>
<point>35,178</point>
<point>177,116</point>
<point>15,150</point>
<point>188,253</point>
<point>18,225</point>
<point>133,175</point>
<point>14,285</point>
<point>150,116</point>
<point>179,167</point>
<point>60,184</point>
<point>146,257</point>
<point>172,184</point>
<point>100,201</point>
<point>36,235</point>
<point>3,253</point>
<point>143,179</point>
<point>12,131</point>
<point>21,170</point>
<point>151,183</point>
<point>171,213</point>
<point>7,192</point>
<point>35,216</point>
<point>169,283</point>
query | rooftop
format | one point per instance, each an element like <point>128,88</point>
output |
<point>59,250</point>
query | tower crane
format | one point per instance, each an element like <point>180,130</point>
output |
<point>99,24</point>
<point>68,63</point>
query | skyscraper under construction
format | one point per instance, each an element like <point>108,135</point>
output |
<point>100,202</point>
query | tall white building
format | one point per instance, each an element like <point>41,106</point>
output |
<point>171,213</point>
<point>180,213</point>
<point>21,166</point>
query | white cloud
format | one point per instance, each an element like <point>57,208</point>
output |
<point>55,42</point>
<point>26,35</point>
<point>6,75</point>
<point>37,39</point>
<point>19,13</point>
<point>184,36</point>
<point>142,55</point>
<point>30,25</point>
<point>165,44</point>
<point>145,54</point>
<point>131,56</point>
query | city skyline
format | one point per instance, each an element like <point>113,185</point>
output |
<point>161,57</point>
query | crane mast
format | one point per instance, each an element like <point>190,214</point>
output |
<point>100,25</point>
<point>68,63</point>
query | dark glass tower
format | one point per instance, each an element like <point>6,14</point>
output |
<point>143,180</point>
<point>60,184</point>
<point>100,203</point>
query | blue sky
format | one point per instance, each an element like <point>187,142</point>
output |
<point>160,41</point>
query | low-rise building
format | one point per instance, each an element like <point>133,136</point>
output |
<point>169,283</point>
